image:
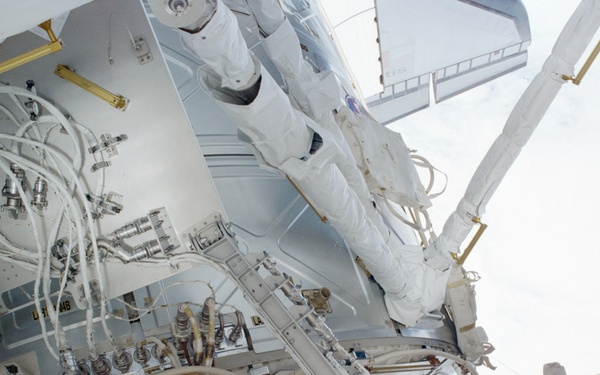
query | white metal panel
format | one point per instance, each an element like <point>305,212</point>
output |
<point>355,26</point>
<point>419,37</point>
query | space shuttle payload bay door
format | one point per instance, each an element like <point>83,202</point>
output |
<point>449,46</point>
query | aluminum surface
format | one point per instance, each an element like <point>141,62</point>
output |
<point>160,165</point>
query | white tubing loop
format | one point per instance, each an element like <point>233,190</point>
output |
<point>415,226</point>
<point>78,158</point>
<point>80,190</point>
<point>73,206</point>
<point>422,162</point>
<point>6,168</point>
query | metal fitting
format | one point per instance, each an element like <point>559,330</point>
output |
<point>145,250</point>
<point>100,366</point>
<point>141,354</point>
<point>68,362</point>
<point>11,190</point>
<point>318,324</point>
<point>180,326</point>
<point>40,193</point>
<point>122,361</point>
<point>236,333</point>
<point>220,335</point>
<point>135,228</point>
<point>292,292</point>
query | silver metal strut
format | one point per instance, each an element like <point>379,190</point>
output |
<point>216,242</point>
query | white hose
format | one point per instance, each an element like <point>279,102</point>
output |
<point>166,348</point>
<point>414,226</point>
<point>74,172</point>
<point>171,352</point>
<point>10,115</point>
<point>210,335</point>
<point>197,343</point>
<point>425,352</point>
<point>26,253</point>
<point>160,347</point>
<point>80,190</point>
<point>34,124</point>
<point>28,264</point>
<point>34,228</point>
<point>64,276</point>
<point>173,357</point>
<point>12,90</point>
<point>72,205</point>
<point>18,104</point>
<point>59,333</point>
<point>61,340</point>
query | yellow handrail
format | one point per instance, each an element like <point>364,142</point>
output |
<point>117,101</point>
<point>465,254</point>
<point>54,46</point>
<point>586,66</point>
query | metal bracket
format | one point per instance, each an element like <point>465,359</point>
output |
<point>141,51</point>
<point>362,266</point>
<point>108,204</point>
<point>285,322</point>
<point>164,230</point>
<point>204,234</point>
<point>54,46</point>
<point>469,248</point>
<point>108,143</point>
<point>586,66</point>
<point>319,299</point>
<point>99,165</point>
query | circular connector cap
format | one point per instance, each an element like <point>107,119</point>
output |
<point>177,13</point>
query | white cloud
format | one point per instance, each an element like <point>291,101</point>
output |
<point>539,258</point>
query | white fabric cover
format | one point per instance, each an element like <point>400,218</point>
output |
<point>324,178</point>
<point>384,159</point>
<point>283,48</point>
<point>282,135</point>
<point>267,13</point>
<point>278,132</point>
<point>318,95</point>
<point>461,299</point>
<point>221,46</point>
<point>329,178</point>
<point>521,123</point>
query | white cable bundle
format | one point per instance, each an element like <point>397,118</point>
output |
<point>63,178</point>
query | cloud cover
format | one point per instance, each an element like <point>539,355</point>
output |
<point>540,256</point>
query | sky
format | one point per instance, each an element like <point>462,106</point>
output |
<point>539,258</point>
